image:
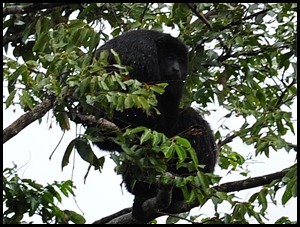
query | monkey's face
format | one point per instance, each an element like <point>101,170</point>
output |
<point>173,63</point>
<point>173,70</point>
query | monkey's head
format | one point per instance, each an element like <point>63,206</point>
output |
<point>173,63</point>
<point>153,56</point>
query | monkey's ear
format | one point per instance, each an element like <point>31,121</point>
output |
<point>163,39</point>
<point>172,44</point>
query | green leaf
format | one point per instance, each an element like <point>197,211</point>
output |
<point>222,195</point>
<point>102,84</point>
<point>85,151</point>
<point>48,197</point>
<point>135,130</point>
<point>65,159</point>
<point>74,217</point>
<point>127,150</point>
<point>287,195</point>
<point>183,142</point>
<point>146,136</point>
<point>128,103</point>
<point>93,85</point>
<point>120,103</point>
<point>172,220</point>
<point>181,153</point>
<point>280,126</point>
<point>63,120</point>
<point>34,204</point>
<point>116,56</point>
<point>83,86</point>
<point>67,186</point>
<point>193,155</point>
<point>203,179</point>
<point>253,197</point>
<point>33,184</point>
<point>284,60</point>
<point>38,26</point>
<point>84,35</point>
<point>262,200</point>
<point>143,102</point>
<point>76,24</point>
<point>41,43</point>
<point>168,150</point>
<point>157,138</point>
<point>94,40</point>
<point>120,82</point>
<point>261,97</point>
<point>26,100</point>
<point>159,88</point>
<point>10,98</point>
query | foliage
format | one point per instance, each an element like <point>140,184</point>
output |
<point>243,59</point>
<point>25,196</point>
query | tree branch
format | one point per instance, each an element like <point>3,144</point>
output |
<point>182,206</point>
<point>209,25</point>
<point>26,119</point>
<point>250,182</point>
<point>33,7</point>
<point>244,18</point>
<point>111,217</point>
<point>101,121</point>
<point>200,15</point>
<point>226,140</point>
<point>214,12</point>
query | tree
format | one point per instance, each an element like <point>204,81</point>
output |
<point>242,59</point>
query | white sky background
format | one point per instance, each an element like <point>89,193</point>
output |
<point>102,195</point>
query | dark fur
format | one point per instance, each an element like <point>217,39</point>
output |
<point>192,126</point>
<point>147,53</point>
<point>158,57</point>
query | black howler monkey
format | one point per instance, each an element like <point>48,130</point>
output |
<point>157,57</point>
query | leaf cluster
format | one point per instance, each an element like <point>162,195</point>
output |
<point>25,196</point>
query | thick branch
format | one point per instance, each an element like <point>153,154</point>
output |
<point>151,208</point>
<point>250,182</point>
<point>26,119</point>
<point>111,217</point>
<point>230,187</point>
<point>226,140</point>
<point>101,121</point>
<point>33,7</point>
<point>182,206</point>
